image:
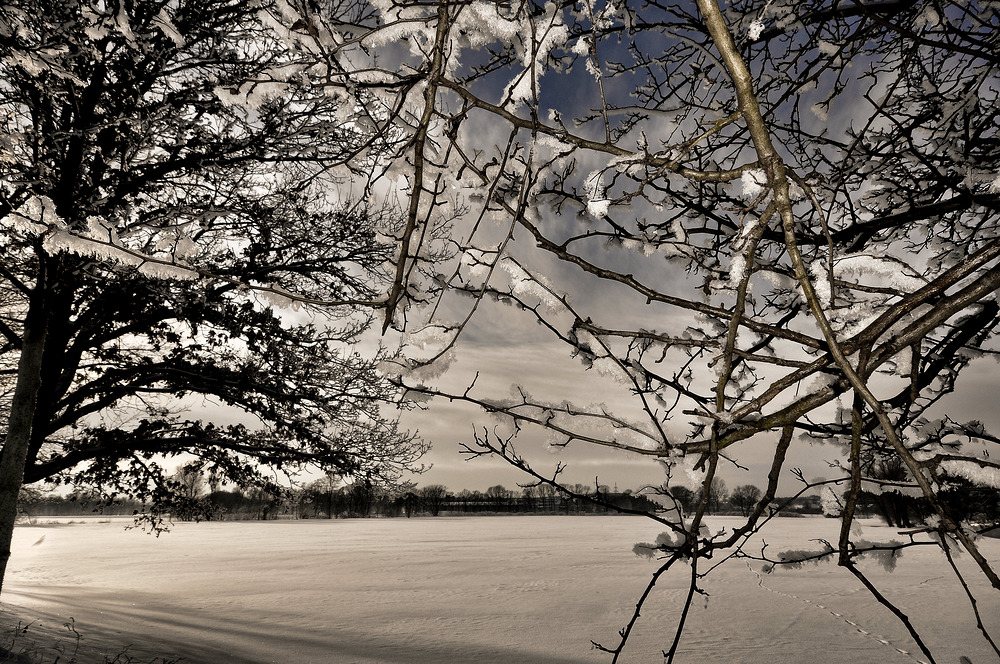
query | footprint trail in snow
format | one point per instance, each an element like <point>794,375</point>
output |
<point>875,637</point>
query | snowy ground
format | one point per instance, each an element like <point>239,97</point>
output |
<point>487,590</point>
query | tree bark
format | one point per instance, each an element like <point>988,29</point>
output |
<point>15,447</point>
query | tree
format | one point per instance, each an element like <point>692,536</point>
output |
<point>745,497</point>
<point>529,498</point>
<point>891,476</point>
<point>466,498</point>
<point>322,495</point>
<point>717,492</point>
<point>432,497</point>
<point>409,502</point>
<point>180,276</point>
<point>685,498</point>
<point>499,497</point>
<point>360,497</point>
<point>27,500</point>
<point>187,485</point>
<point>191,483</point>
<point>772,221</point>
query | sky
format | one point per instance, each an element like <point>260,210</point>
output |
<point>507,352</point>
<point>542,366</point>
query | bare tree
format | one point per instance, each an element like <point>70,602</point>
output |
<point>745,497</point>
<point>685,499</point>
<point>717,492</point>
<point>432,497</point>
<point>499,497</point>
<point>770,222</point>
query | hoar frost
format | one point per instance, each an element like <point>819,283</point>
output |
<point>598,208</point>
<point>830,501</point>
<point>665,541</point>
<point>608,367</point>
<point>980,475</point>
<point>554,34</point>
<point>35,216</point>
<point>737,270</point>
<point>887,272</point>
<point>524,285</point>
<point>754,182</point>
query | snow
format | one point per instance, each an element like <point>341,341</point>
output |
<point>827,48</point>
<point>985,474</point>
<point>598,208</point>
<point>163,22</point>
<point>608,367</point>
<point>488,590</point>
<point>754,183</point>
<point>553,34</point>
<point>394,32</point>
<point>737,270</point>
<point>35,217</point>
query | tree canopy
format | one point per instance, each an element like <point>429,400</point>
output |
<point>185,270</point>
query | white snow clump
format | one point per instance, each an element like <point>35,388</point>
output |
<point>754,182</point>
<point>665,541</point>
<point>598,208</point>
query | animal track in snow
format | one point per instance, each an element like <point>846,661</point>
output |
<point>856,626</point>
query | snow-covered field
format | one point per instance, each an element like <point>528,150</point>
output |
<point>486,590</point>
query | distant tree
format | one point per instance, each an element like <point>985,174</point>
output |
<point>685,497</point>
<point>188,486</point>
<point>190,481</point>
<point>465,498</point>
<point>745,497</point>
<point>499,497</point>
<point>321,496</point>
<point>892,483</point>
<point>360,497</point>
<point>718,494</point>
<point>973,503</point>
<point>263,504</point>
<point>228,504</point>
<point>167,179</point>
<point>635,502</point>
<point>27,500</point>
<point>548,497</point>
<point>529,498</point>
<point>409,502</point>
<point>432,497</point>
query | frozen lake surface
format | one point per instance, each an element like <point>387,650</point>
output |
<point>482,590</point>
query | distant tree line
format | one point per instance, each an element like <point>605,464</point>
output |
<point>740,500</point>
<point>323,499</point>
<point>330,498</point>
<point>901,508</point>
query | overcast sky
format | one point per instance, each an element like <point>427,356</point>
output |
<point>538,365</point>
<point>506,351</point>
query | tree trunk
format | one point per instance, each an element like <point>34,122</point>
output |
<point>15,447</point>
